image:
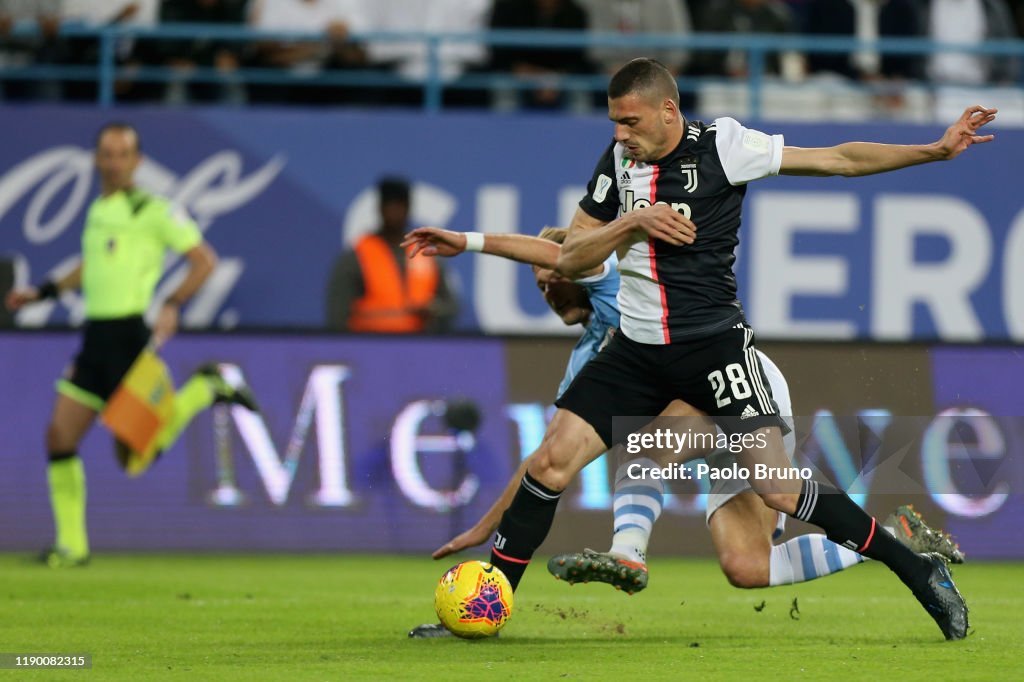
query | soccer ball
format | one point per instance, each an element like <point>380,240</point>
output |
<point>473,600</point>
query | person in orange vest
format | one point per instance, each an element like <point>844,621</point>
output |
<point>375,288</point>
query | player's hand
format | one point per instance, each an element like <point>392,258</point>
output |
<point>477,535</point>
<point>16,298</point>
<point>662,222</point>
<point>964,132</point>
<point>433,241</point>
<point>166,324</point>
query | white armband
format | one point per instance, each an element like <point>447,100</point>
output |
<point>474,241</point>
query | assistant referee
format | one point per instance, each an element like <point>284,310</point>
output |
<point>127,234</point>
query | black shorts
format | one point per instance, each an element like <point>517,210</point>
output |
<point>720,375</point>
<point>109,347</point>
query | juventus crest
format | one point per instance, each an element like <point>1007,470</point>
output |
<point>689,171</point>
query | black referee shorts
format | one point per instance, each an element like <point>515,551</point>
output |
<point>720,375</point>
<point>109,347</point>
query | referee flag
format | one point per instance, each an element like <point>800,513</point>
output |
<point>140,408</point>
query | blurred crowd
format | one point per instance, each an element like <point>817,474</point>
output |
<point>339,22</point>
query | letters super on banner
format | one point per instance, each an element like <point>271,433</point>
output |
<point>397,445</point>
<point>934,252</point>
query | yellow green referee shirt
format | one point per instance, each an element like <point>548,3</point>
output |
<point>124,242</point>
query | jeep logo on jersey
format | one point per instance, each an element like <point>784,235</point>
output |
<point>689,171</point>
<point>630,202</point>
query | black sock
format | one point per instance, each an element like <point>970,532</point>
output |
<point>524,525</point>
<point>848,525</point>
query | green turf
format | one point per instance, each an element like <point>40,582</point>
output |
<point>345,617</point>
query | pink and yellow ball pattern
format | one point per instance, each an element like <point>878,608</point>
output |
<point>473,599</point>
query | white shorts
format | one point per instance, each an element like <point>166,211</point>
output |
<point>723,490</point>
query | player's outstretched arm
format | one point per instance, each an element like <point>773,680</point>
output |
<point>853,159</point>
<point>17,298</point>
<point>488,523</point>
<point>433,241</point>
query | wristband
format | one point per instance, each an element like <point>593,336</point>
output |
<point>48,289</point>
<point>474,241</point>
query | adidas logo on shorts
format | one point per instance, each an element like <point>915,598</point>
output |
<point>749,412</point>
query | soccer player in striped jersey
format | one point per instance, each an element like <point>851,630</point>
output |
<point>742,527</point>
<point>683,333</point>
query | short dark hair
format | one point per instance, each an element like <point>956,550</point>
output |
<point>644,76</point>
<point>120,126</point>
<point>393,188</point>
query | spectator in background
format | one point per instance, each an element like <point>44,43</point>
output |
<point>798,8</point>
<point>866,20</point>
<point>376,288</point>
<point>334,20</point>
<point>410,59</point>
<point>970,22</point>
<point>129,52</point>
<point>638,16</point>
<point>1017,9</point>
<point>739,16</point>
<point>524,62</point>
<point>19,52</point>
<point>185,56</point>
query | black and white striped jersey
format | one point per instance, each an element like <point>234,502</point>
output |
<point>669,293</point>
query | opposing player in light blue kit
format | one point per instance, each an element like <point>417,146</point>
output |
<point>742,526</point>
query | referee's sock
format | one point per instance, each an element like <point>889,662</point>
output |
<point>66,477</point>
<point>523,527</point>
<point>848,525</point>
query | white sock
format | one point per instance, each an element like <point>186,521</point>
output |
<point>637,505</point>
<point>808,557</point>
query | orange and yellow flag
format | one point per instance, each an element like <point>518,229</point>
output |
<point>140,408</point>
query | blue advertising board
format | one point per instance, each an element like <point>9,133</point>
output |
<point>934,252</point>
<point>366,445</point>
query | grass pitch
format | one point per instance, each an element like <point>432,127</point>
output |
<point>346,617</point>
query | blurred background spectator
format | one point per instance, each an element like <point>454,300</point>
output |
<point>866,20</point>
<point>334,19</point>
<point>639,16</point>
<point>18,52</point>
<point>1017,8</point>
<point>970,22</point>
<point>528,63</point>
<point>394,72</point>
<point>632,17</point>
<point>739,16</point>
<point>129,52</point>
<point>410,58</point>
<point>375,287</point>
<point>185,55</point>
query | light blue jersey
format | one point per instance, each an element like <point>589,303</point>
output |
<point>602,289</point>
